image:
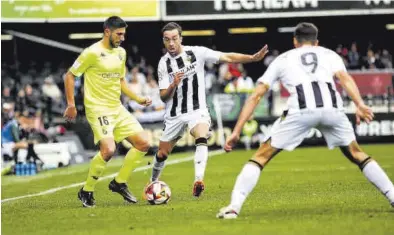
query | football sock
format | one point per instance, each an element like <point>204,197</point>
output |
<point>375,174</point>
<point>158,165</point>
<point>200,161</point>
<point>97,167</point>
<point>131,161</point>
<point>244,184</point>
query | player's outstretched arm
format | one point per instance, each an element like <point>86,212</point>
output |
<point>363,111</point>
<point>71,112</point>
<point>146,101</point>
<point>166,94</point>
<point>247,110</point>
<point>231,57</point>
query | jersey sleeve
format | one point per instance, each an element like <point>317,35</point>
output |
<point>337,63</point>
<point>272,73</point>
<point>209,55</point>
<point>83,62</point>
<point>163,76</point>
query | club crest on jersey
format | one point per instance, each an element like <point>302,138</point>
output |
<point>102,54</point>
<point>120,57</point>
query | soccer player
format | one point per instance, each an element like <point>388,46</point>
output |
<point>103,66</point>
<point>182,87</point>
<point>307,73</point>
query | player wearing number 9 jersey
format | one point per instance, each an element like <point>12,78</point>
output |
<point>308,73</point>
<point>103,66</point>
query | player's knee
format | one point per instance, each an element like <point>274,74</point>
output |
<point>107,152</point>
<point>201,141</point>
<point>143,146</point>
<point>161,155</point>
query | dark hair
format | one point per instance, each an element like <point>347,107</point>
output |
<point>114,22</point>
<point>171,26</point>
<point>306,32</point>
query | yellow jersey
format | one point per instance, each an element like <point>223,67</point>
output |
<point>102,68</point>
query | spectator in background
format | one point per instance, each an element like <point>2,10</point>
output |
<point>47,70</point>
<point>154,112</point>
<point>20,104</point>
<point>151,89</point>
<point>58,76</point>
<point>136,86</point>
<point>135,53</point>
<point>53,97</point>
<point>136,76</point>
<point>386,59</point>
<point>51,90</point>
<point>343,51</point>
<point>143,67</point>
<point>371,62</point>
<point>240,84</point>
<point>33,101</point>
<point>229,71</point>
<point>27,78</point>
<point>6,79</point>
<point>247,83</point>
<point>12,144</point>
<point>150,70</point>
<point>10,141</point>
<point>6,95</point>
<point>354,57</point>
<point>7,112</point>
<point>135,57</point>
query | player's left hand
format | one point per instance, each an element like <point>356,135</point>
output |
<point>260,54</point>
<point>363,112</point>
<point>145,101</point>
<point>231,141</point>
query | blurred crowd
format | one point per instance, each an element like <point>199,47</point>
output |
<point>371,59</point>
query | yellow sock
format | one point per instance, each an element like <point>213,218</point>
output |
<point>131,161</point>
<point>97,167</point>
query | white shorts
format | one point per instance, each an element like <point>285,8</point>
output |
<point>175,127</point>
<point>289,132</point>
<point>7,149</point>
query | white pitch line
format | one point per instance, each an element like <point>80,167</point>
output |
<point>170,162</point>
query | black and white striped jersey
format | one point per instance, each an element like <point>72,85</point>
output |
<point>190,93</point>
<point>307,73</point>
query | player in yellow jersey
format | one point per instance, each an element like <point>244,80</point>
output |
<point>103,66</point>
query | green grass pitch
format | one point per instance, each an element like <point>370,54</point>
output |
<point>307,191</point>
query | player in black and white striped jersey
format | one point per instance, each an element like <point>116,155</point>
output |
<point>308,73</point>
<point>182,87</point>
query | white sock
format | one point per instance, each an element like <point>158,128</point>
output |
<point>200,161</point>
<point>245,183</point>
<point>157,169</point>
<point>378,177</point>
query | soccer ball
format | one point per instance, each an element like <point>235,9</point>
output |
<point>157,193</point>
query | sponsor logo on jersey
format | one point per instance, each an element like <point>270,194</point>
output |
<point>110,75</point>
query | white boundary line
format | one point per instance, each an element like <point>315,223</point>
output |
<point>50,191</point>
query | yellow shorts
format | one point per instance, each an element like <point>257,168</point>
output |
<point>114,123</point>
